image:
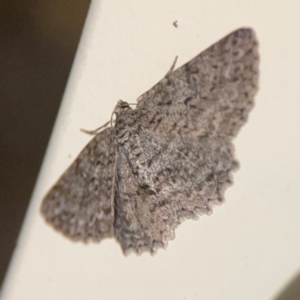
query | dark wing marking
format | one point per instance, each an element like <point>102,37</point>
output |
<point>211,94</point>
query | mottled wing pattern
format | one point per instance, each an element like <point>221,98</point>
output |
<point>169,159</point>
<point>166,180</point>
<point>79,204</point>
<point>211,94</point>
<point>175,154</point>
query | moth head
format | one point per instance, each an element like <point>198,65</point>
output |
<point>121,106</point>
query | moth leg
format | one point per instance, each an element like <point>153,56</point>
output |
<point>168,73</point>
<point>95,131</point>
<point>172,66</point>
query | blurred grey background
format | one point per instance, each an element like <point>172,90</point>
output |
<point>38,42</point>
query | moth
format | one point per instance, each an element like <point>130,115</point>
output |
<point>168,159</point>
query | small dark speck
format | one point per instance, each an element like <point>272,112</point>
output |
<point>175,24</point>
<point>210,177</point>
<point>249,52</point>
<point>187,100</point>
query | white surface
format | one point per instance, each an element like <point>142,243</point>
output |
<point>250,247</point>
